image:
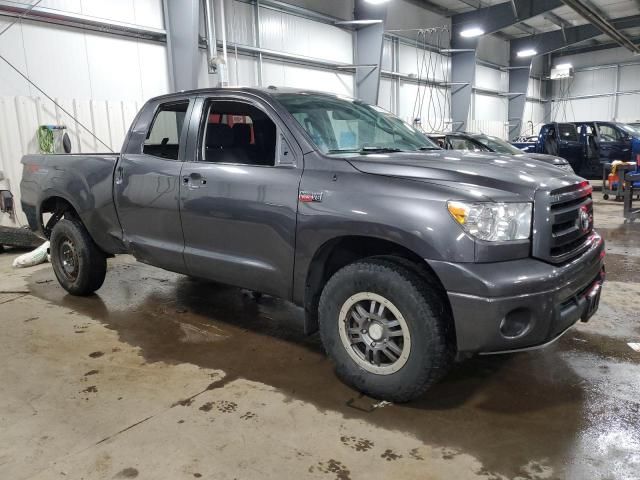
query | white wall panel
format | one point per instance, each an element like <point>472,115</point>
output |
<point>65,62</point>
<point>411,61</point>
<point>588,82</point>
<point>599,108</point>
<point>489,127</point>
<point>387,57</point>
<point>533,116</point>
<point>292,34</point>
<point>534,88</point>
<point>12,48</point>
<point>491,79</point>
<point>140,12</point>
<point>21,116</point>
<point>56,59</point>
<point>489,107</point>
<point>103,52</point>
<point>431,106</point>
<point>630,77</point>
<point>153,69</point>
<point>240,22</point>
<point>386,94</point>
<point>629,108</point>
<point>289,75</point>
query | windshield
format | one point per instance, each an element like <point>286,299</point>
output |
<point>632,129</point>
<point>498,145</point>
<point>339,125</point>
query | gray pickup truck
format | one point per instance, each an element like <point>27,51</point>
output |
<point>403,255</point>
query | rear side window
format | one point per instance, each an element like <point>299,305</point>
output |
<point>568,132</point>
<point>163,138</point>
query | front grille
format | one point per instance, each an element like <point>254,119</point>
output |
<point>563,220</point>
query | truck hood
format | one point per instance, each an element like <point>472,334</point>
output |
<point>474,175</point>
<point>543,157</point>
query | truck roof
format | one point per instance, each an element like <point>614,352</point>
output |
<point>259,91</point>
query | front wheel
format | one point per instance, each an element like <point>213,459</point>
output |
<point>79,265</point>
<point>386,329</point>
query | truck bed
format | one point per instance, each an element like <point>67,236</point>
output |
<point>83,180</point>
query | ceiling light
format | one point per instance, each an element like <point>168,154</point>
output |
<point>472,32</point>
<point>529,52</point>
<point>564,66</point>
<point>376,2</point>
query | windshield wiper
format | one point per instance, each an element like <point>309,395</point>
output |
<point>374,149</point>
<point>429,148</point>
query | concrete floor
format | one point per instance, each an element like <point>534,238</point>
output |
<point>162,377</point>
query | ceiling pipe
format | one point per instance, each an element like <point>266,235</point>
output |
<point>591,15</point>
<point>210,32</point>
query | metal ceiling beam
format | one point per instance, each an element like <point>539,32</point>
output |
<point>433,7</point>
<point>591,14</point>
<point>77,20</point>
<point>551,41</point>
<point>558,20</point>
<point>596,46</point>
<point>496,17</point>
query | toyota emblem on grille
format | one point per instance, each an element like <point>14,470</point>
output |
<point>584,219</point>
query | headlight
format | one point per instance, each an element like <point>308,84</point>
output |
<point>494,222</point>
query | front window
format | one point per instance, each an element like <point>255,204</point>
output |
<point>568,132</point>
<point>496,144</point>
<point>339,125</point>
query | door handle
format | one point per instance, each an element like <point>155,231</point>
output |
<point>193,181</point>
<point>119,175</point>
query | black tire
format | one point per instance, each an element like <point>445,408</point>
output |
<point>425,313</point>
<point>78,263</point>
<point>605,196</point>
<point>19,237</point>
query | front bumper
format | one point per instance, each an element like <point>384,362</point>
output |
<point>547,299</point>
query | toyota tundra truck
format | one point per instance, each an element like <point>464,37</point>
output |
<point>404,256</point>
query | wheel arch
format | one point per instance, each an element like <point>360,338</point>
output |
<point>59,207</point>
<point>338,252</point>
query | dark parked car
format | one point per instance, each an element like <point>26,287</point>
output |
<point>402,255</point>
<point>586,145</point>
<point>609,141</point>
<point>479,142</point>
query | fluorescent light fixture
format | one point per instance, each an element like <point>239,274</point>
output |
<point>472,32</point>
<point>564,66</point>
<point>529,52</point>
<point>376,2</point>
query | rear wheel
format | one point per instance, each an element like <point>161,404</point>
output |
<point>385,328</point>
<point>79,265</point>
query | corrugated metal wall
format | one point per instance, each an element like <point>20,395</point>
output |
<point>20,117</point>
<point>101,78</point>
<point>604,87</point>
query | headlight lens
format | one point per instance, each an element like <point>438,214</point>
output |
<point>493,222</point>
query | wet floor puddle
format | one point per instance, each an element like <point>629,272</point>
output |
<point>568,407</point>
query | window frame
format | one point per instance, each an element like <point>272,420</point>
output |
<point>204,117</point>
<point>184,131</point>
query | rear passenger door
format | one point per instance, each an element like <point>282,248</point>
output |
<point>239,196</point>
<point>147,185</point>
<point>570,147</point>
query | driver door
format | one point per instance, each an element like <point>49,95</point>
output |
<point>239,196</point>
